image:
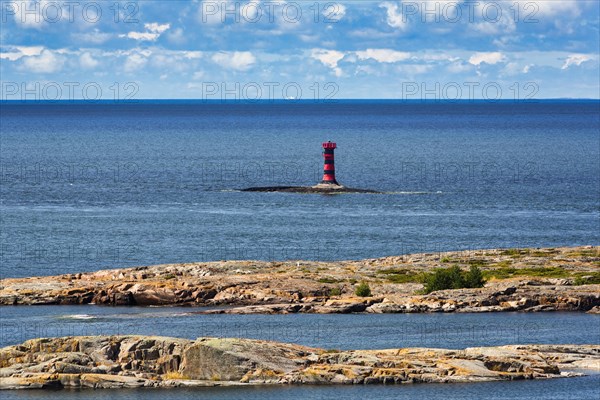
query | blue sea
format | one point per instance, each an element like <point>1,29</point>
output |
<point>92,186</point>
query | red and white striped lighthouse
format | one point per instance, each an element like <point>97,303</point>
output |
<point>329,164</point>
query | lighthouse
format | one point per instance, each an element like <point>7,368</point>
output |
<point>327,186</point>
<point>329,164</point>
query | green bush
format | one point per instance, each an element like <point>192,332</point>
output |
<point>363,290</point>
<point>336,291</point>
<point>453,278</point>
<point>474,278</point>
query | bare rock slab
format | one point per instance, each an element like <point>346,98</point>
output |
<point>150,361</point>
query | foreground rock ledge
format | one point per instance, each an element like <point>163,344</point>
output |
<point>152,361</point>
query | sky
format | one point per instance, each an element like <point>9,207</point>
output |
<point>309,50</point>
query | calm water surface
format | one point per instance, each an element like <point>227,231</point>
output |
<point>90,186</point>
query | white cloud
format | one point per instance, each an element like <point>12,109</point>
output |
<point>18,52</point>
<point>395,19</point>
<point>488,58</point>
<point>383,55</point>
<point>46,62</point>
<point>237,60</point>
<point>330,58</point>
<point>10,55</point>
<point>87,61</point>
<point>576,59</point>
<point>192,55</point>
<point>516,68</point>
<point>134,62</point>
<point>155,27</point>
<point>153,32</point>
<point>334,11</point>
<point>149,36</point>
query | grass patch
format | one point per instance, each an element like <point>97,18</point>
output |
<point>540,253</point>
<point>541,272</point>
<point>328,280</point>
<point>477,263</point>
<point>584,253</point>
<point>511,252</point>
<point>502,264</point>
<point>585,278</point>
<point>336,291</point>
<point>396,275</point>
<point>174,375</point>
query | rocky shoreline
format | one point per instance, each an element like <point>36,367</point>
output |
<point>150,361</point>
<point>519,280</point>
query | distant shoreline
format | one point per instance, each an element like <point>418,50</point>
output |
<point>302,101</point>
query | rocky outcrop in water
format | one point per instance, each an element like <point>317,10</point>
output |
<point>525,283</point>
<point>321,188</point>
<point>149,361</point>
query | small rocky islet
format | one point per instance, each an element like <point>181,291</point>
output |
<point>149,361</point>
<point>549,279</point>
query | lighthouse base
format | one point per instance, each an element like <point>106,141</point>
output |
<point>329,186</point>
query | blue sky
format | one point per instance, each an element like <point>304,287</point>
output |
<point>435,49</point>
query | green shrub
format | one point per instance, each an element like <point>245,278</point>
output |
<point>336,291</point>
<point>474,278</point>
<point>453,278</point>
<point>363,290</point>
